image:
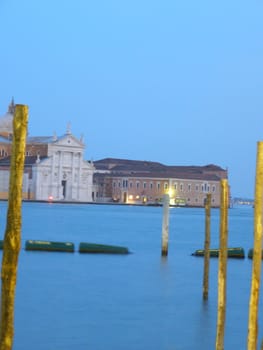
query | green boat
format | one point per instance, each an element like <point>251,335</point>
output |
<point>231,253</point>
<point>102,248</point>
<point>250,254</point>
<point>49,246</point>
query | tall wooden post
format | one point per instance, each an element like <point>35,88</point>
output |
<point>256,265</point>
<point>12,237</point>
<point>207,246</point>
<point>222,268</point>
<point>165,225</point>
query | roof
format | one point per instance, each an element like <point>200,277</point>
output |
<point>4,139</point>
<point>40,139</point>
<point>116,165</point>
<point>29,160</point>
<point>125,166</point>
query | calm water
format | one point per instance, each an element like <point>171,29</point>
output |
<point>134,302</point>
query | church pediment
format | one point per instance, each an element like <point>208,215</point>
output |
<point>68,140</point>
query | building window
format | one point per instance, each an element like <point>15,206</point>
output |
<point>175,186</point>
<point>205,187</point>
<point>114,184</point>
<point>137,184</point>
<point>181,187</point>
<point>165,185</point>
<point>158,185</point>
<point>119,184</point>
<point>130,184</point>
<point>151,185</point>
<point>213,188</point>
<point>208,188</point>
<point>189,187</point>
<point>144,185</point>
<point>197,188</point>
<point>196,200</point>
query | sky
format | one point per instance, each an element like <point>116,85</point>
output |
<point>177,82</point>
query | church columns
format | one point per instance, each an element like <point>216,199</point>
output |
<point>73,187</point>
<point>79,176</point>
<point>60,175</point>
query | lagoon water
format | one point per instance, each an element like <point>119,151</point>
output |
<point>133,302</point>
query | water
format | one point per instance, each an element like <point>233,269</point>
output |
<point>132,302</point>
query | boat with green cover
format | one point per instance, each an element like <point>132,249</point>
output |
<point>49,246</point>
<point>102,248</point>
<point>231,253</point>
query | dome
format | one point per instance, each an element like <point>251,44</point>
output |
<point>6,121</point>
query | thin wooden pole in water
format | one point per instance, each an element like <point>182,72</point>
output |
<point>12,239</point>
<point>165,225</point>
<point>256,265</point>
<point>207,246</point>
<point>222,268</point>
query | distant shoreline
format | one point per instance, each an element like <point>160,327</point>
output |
<point>117,204</point>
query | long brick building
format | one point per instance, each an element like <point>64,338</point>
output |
<point>136,182</point>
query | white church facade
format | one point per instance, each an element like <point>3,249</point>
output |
<point>55,168</point>
<point>63,174</point>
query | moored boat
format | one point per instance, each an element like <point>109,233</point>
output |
<point>102,248</point>
<point>231,253</point>
<point>49,246</point>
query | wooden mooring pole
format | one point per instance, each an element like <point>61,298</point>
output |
<point>165,225</point>
<point>256,265</point>
<point>207,246</point>
<point>12,238</point>
<point>222,267</point>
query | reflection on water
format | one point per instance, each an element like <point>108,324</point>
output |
<point>134,302</point>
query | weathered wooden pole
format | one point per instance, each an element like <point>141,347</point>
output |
<point>222,267</point>
<point>12,238</point>
<point>165,225</point>
<point>256,265</point>
<point>207,246</point>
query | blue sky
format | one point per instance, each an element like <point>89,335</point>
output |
<point>179,82</point>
